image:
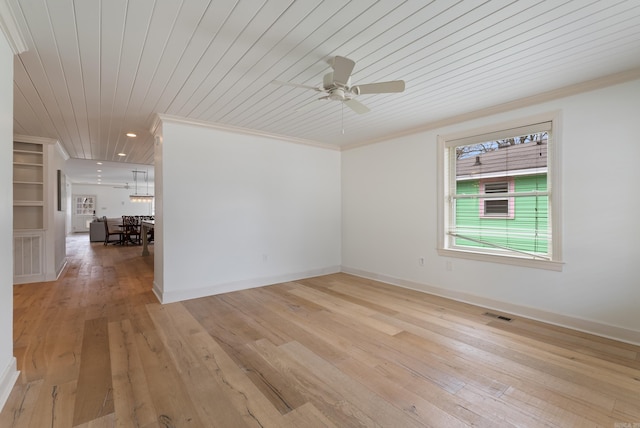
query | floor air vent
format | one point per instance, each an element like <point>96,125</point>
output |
<point>496,316</point>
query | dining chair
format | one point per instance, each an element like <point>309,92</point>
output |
<point>108,233</point>
<point>131,229</point>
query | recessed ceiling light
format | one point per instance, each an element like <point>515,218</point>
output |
<point>122,154</point>
<point>99,163</point>
<point>99,170</point>
<point>131,134</point>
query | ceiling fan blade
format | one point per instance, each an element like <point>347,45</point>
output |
<point>296,85</point>
<point>357,106</point>
<point>379,88</point>
<point>342,68</point>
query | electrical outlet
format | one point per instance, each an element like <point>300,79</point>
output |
<point>421,261</point>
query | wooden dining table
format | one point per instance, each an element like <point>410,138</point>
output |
<point>146,226</point>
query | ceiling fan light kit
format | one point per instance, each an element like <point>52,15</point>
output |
<point>337,85</point>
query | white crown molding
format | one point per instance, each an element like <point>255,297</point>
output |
<point>62,151</point>
<point>31,139</point>
<point>566,91</point>
<point>237,130</point>
<point>10,28</point>
<point>155,124</point>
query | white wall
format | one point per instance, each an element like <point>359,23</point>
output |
<point>112,202</point>
<point>243,211</point>
<point>56,246</point>
<point>390,219</point>
<point>8,373</point>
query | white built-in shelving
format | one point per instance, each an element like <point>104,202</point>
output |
<point>28,186</point>
<point>38,222</point>
<point>29,160</point>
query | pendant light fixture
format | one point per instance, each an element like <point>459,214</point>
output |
<point>140,198</point>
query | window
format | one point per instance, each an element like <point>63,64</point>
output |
<point>499,207</point>
<point>85,205</point>
<point>497,202</point>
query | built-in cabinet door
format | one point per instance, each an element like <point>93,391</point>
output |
<point>84,210</point>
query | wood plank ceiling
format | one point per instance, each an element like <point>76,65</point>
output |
<point>98,69</point>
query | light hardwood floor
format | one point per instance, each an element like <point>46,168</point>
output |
<point>96,349</point>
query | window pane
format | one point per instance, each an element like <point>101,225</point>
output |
<point>528,231</point>
<point>496,207</point>
<point>511,165</point>
<point>500,187</point>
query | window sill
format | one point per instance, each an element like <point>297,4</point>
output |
<point>508,260</point>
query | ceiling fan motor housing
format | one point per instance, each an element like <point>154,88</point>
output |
<point>337,92</point>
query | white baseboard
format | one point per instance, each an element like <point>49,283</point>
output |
<point>7,380</point>
<point>584,325</point>
<point>157,291</point>
<point>27,279</point>
<point>61,268</point>
<point>194,293</point>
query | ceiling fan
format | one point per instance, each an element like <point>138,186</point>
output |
<point>337,85</point>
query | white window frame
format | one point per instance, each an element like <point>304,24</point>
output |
<point>445,182</point>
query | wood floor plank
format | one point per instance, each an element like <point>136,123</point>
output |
<point>168,390</point>
<point>225,327</point>
<point>307,415</point>
<point>335,288</point>
<point>496,408</point>
<point>95,388</point>
<point>375,343</point>
<point>502,363</point>
<point>34,362</point>
<point>338,306</point>
<point>54,406</point>
<point>107,421</point>
<point>497,379</point>
<point>413,412</point>
<point>209,398</point>
<point>627,409</point>
<point>550,411</point>
<point>232,385</point>
<point>327,397</point>
<point>132,399</point>
<point>407,391</point>
<point>20,406</point>
<point>283,312</point>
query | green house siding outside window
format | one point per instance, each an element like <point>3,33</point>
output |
<point>516,222</point>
